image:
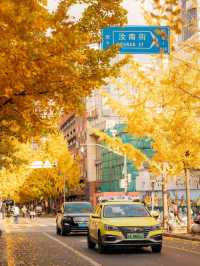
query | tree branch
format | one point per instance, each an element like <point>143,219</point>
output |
<point>189,93</point>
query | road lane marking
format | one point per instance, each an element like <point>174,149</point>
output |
<point>183,249</point>
<point>24,232</point>
<point>91,261</point>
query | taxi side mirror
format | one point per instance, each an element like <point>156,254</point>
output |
<point>95,216</point>
<point>155,214</point>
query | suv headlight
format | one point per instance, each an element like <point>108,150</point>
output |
<point>110,227</point>
<point>156,227</point>
<point>67,219</point>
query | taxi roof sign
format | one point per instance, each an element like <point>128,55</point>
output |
<point>119,198</point>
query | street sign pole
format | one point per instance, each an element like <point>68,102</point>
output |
<point>153,195</point>
<point>125,174</point>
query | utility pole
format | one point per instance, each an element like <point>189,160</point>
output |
<point>164,195</point>
<point>188,202</point>
<point>187,184</point>
<point>125,174</point>
<point>153,195</point>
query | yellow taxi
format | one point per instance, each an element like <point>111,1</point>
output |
<point>123,223</point>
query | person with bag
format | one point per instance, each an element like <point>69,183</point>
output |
<point>16,213</point>
<point>24,211</point>
<point>3,210</point>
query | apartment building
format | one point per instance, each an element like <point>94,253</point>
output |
<point>74,128</point>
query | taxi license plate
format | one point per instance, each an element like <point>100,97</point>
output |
<point>135,236</point>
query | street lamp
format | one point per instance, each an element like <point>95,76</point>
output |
<point>153,181</point>
<point>153,195</point>
<point>124,171</point>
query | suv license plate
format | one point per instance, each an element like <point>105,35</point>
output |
<point>83,225</point>
<point>135,236</point>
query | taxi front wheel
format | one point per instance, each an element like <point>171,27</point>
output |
<point>57,230</point>
<point>91,245</point>
<point>156,249</point>
<point>101,247</point>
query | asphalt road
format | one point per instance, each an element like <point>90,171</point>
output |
<point>35,243</point>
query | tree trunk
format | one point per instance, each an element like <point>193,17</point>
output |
<point>164,196</point>
<point>188,202</point>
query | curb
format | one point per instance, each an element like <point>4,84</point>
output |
<point>193,238</point>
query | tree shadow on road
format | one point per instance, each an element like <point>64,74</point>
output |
<point>129,250</point>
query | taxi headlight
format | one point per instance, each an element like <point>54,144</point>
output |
<point>110,227</point>
<point>156,227</point>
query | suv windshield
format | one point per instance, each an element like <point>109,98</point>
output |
<point>125,210</point>
<point>78,207</point>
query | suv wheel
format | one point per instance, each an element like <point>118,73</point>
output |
<point>57,230</point>
<point>101,247</point>
<point>91,245</point>
<point>156,249</point>
<point>62,231</point>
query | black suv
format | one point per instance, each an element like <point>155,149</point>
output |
<point>73,217</point>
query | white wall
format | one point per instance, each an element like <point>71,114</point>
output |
<point>91,158</point>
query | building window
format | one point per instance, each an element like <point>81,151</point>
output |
<point>99,171</point>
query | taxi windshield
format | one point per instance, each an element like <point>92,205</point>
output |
<point>84,207</point>
<point>125,210</point>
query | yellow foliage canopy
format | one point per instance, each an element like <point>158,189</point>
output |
<point>25,183</point>
<point>48,57</point>
<point>165,106</point>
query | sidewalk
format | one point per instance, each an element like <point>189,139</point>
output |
<point>180,231</point>
<point>193,237</point>
<point>3,260</point>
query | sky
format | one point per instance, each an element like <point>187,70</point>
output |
<point>135,16</point>
<point>134,13</point>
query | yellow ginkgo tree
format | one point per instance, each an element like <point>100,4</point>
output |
<point>50,56</point>
<point>164,106</point>
<point>26,182</point>
<point>163,100</point>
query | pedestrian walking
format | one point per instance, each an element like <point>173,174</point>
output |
<point>16,213</point>
<point>197,218</point>
<point>32,213</point>
<point>38,210</point>
<point>24,211</point>
<point>3,210</point>
<point>176,212</point>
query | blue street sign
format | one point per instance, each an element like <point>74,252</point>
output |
<point>137,39</point>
